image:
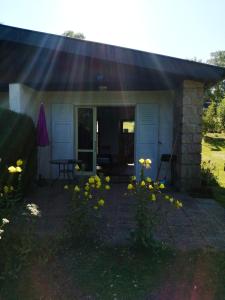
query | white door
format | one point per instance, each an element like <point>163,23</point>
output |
<point>85,136</point>
<point>146,137</point>
<point>62,133</point>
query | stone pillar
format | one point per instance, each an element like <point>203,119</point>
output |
<point>188,134</point>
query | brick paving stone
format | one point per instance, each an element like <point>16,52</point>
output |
<point>200,223</point>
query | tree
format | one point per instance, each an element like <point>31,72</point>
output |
<point>221,114</point>
<point>217,93</point>
<point>217,58</point>
<point>74,35</point>
<point>210,119</point>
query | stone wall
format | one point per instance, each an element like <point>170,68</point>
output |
<point>188,134</point>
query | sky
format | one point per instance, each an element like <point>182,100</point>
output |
<point>180,28</point>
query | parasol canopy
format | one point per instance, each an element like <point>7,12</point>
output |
<point>42,132</point>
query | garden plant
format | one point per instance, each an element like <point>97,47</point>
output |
<point>149,200</point>
<point>18,239</point>
<point>88,200</point>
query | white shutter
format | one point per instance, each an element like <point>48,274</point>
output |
<point>146,137</point>
<point>62,133</point>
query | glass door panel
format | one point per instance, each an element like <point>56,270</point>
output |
<point>86,138</point>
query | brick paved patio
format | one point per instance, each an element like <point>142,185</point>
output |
<point>199,224</point>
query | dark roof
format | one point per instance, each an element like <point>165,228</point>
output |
<point>139,68</point>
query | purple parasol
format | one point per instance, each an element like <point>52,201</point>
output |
<point>42,132</point>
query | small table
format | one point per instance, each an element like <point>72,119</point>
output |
<point>65,168</point>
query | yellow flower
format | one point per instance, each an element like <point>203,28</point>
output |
<point>147,166</point>
<point>91,180</point>
<point>90,196</point>
<point>107,187</point>
<point>150,187</point>
<point>101,202</point>
<point>18,169</point>
<point>153,198</point>
<point>66,187</point>
<point>148,161</point>
<point>85,194</point>
<point>77,168</point>
<point>141,161</point>
<point>167,197</point>
<point>162,186</point>
<point>133,178</point>
<point>97,178</point>
<point>76,188</point>
<point>148,179</point>
<point>95,207</point>
<point>12,169</point>
<point>171,200</point>
<point>130,186</point>
<point>178,204</point>
<point>87,188</point>
<point>19,162</point>
<point>98,184</point>
<point>107,179</point>
<point>142,183</point>
<point>6,189</point>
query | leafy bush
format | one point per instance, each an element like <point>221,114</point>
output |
<point>208,177</point>
<point>210,119</point>
<point>18,140</point>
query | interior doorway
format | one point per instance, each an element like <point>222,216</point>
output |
<point>115,141</point>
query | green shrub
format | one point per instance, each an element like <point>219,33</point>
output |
<point>208,177</point>
<point>210,119</point>
<point>18,140</point>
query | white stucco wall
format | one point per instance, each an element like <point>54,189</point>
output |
<point>4,100</point>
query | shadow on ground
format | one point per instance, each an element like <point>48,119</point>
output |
<point>216,144</point>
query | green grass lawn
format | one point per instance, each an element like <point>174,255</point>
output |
<point>213,149</point>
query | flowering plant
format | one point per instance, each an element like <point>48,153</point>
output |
<point>88,200</point>
<point>148,197</point>
<point>7,192</point>
<point>4,222</point>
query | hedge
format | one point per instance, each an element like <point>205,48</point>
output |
<point>17,141</point>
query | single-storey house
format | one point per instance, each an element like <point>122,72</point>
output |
<point>107,103</point>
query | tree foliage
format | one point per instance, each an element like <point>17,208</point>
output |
<point>74,35</point>
<point>217,58</point>
<point>217,93</point>
<point>210,120</point>
<point>221,114</point>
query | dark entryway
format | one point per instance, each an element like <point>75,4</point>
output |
<point>115,140</point>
